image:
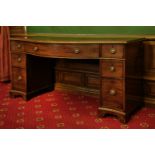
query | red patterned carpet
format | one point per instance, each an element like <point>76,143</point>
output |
<point>59,110</point>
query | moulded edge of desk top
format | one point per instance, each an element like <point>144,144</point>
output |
<point>77,38</point>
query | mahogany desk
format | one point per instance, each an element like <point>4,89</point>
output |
<point>120,63</point>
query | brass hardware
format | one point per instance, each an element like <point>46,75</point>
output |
<point>113,50</point>
<point>19,78</point>
<point>19,59</point>
<point>112,92</point>
<point>112,68</point>
<point>35,48</point>
<point>19,46</point>
<point>76,51</point>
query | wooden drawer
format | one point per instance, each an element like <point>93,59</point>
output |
<point>112,68</point>
<point>18,60</point>
<point>18,79</point>
<point>112,93</point>
<point>64,50</point>
<point>112,51</point>
<point>17,46</point>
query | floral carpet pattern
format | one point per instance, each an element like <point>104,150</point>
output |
<point>63,110</point>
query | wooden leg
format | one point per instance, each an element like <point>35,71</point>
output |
<point>101,113</point>
<point>12,95</point>
<point>123,119</point>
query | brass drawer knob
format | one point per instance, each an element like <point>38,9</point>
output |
<point>19,46</point>
<point>112,92</point>
<point>76,51</point>
<point>112,50</point>
<point>19,78</point>
<point>19,59</point>
<point>112,68</point>
<point>35,48</point>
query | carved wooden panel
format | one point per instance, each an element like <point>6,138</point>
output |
<point>149,60</point>
<point>149,88</point>
<point>134,59</point>
<point>84,73</point>
<point>149,72</point>
<point>134,87</point>
<point>92,81</point>
<point>72,78</point>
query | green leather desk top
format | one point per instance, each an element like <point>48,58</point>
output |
<point>77,38</point>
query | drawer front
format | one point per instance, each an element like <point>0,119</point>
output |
<point>64,50</point>
<point>18,79</point>
<point>112,68</point>
<point>112,51</point>
<point>112,93</point>
<point>17,46</point>
<point>18,60</point>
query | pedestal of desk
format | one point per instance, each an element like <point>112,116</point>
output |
<point>31,75</point>
<point>121,83</point>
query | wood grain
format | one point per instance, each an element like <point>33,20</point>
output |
<point>42,73</point>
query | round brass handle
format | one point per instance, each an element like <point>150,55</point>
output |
<point>112,92</point>
<point>19,46</point>
<point>112,68</point>
<point>35,48</point>
<point>76,51</point>
<point>19,78</point>
<point>112,50</point>
<point>19,59</point>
